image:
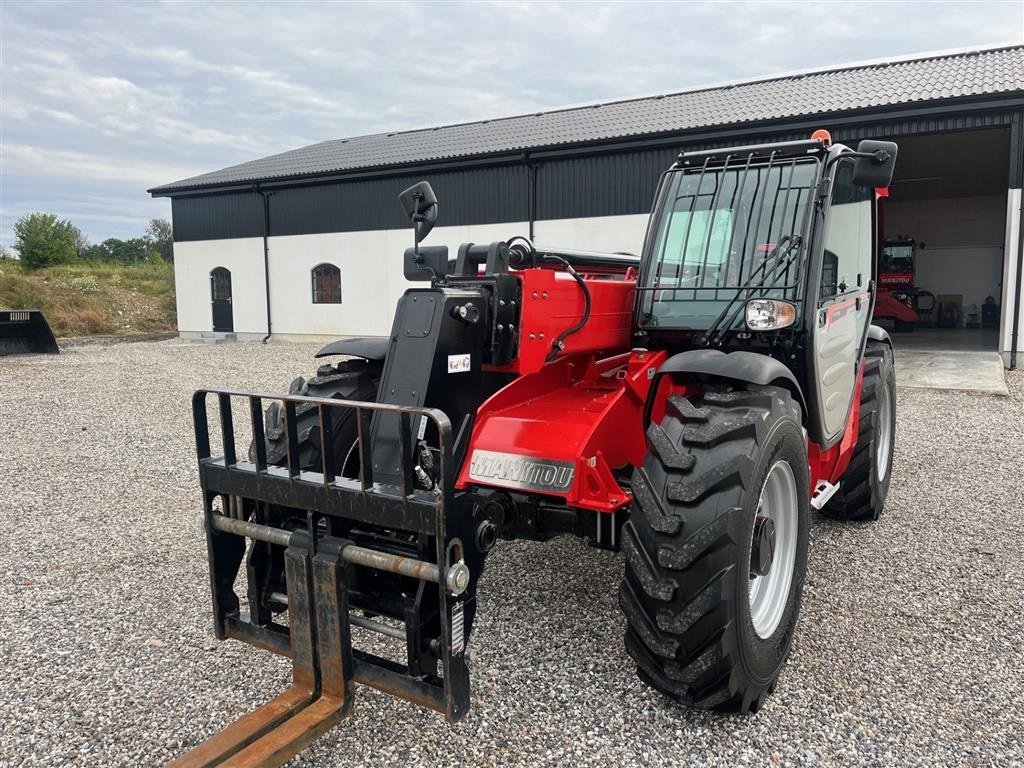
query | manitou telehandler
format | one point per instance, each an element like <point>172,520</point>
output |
<point>897,298</point>
<point>688,407</point>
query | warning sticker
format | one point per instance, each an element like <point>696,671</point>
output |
<point>458,363</point>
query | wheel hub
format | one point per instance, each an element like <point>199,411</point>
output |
<point>762,550</point>
<point>773,549</point>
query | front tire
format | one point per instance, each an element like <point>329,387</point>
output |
<point>696,626</point>
<point>865,484</point>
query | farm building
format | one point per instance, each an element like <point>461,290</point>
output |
<point>308,243</point>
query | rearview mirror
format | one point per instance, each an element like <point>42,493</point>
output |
<point>420,205</point>
<point>875,170</point>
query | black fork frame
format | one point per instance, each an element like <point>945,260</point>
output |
<point>317,637</point>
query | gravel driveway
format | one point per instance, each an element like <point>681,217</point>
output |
<point>910,649</point>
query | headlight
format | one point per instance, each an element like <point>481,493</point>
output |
<point>769,314</point>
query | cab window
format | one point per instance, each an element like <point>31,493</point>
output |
<point>846,266</point>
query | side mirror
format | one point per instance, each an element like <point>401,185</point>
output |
<point>420,205</point>
<point>875,168</point>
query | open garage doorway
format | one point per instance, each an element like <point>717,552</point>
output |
<point>945,230</point>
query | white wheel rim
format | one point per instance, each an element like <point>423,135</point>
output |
<point>884,432</point>
<point>770,593</point>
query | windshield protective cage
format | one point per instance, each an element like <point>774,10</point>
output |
<point>732,228</point>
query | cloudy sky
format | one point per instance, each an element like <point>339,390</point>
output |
<point>101,100</point>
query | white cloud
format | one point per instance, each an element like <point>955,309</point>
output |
<point>25,160</point>
<point>101,100</point>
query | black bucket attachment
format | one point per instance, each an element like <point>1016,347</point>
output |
<point>25,331</point>
<point>339,545</point>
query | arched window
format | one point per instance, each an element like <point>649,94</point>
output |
<point>326,284</point>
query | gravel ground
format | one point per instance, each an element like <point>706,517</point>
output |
<point>909,650</point>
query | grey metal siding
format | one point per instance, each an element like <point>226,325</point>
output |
<point>215,217</point>
<point>1017,152</point>
<point>477,196</point>
<point>601,185</point>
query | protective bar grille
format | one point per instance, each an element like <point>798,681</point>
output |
<point>723,222</point>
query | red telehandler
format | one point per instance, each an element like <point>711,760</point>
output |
<point>897,298</point>
<point>688,407</point>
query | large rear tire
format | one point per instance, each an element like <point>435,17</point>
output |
<point>702,625</point>
<point>865,484</point>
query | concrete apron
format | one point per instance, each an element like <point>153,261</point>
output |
<point>964,371</point>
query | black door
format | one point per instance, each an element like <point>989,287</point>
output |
<point>220,295</point>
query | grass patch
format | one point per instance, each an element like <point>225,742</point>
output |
<point>93,298</point>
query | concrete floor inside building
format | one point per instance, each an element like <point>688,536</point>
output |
<point>962,359</point>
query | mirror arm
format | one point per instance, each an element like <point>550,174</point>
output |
<point>416,218</point>
<point>881,156</point>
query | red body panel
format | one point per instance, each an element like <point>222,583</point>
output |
<point>580,410</point>
<point>887,306</point>
<point>588,413</point>
<point>553,301</point>
<point>832,463</point>
<point>585,409</point>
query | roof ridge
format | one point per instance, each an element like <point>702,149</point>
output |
<point>947,53</point>
<point>895,79</point>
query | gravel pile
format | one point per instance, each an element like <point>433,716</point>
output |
<point>909,649</point>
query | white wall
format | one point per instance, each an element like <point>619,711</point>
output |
<point>193,262</point>
<point>603,233</point>
<point>372,277</point>
<point>964,240</point>
<point>1010,288</point>
<point>371,272</point>
<point>364,273</point>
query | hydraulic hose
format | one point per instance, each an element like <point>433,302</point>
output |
<point>523,254</point>
<point>559,344</point>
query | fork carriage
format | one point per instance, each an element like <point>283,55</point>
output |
<point>319,559</point>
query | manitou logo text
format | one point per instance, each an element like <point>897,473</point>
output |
<point>512,471</point>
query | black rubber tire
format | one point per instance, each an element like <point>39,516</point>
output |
<point>862,493</point>
<point>353,379</point>
<point>687,546</point>
<point>348,380</point>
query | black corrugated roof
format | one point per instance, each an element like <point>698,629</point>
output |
<point>854,87</point>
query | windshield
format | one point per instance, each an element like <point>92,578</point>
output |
<point>898,257</point>
<point>719,230</point>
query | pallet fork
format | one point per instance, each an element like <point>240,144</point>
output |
<point>317,565</point>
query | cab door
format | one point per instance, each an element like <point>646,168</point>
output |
<point>844,297</point>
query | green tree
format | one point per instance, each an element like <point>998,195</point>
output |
<point>161,235</point>
<point>43,239</point>
<point>96,252</point>
<point>128,251</point>
<point>81,241</point>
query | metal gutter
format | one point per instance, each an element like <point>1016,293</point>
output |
<point>532,187</point>
<point>266,250</point>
